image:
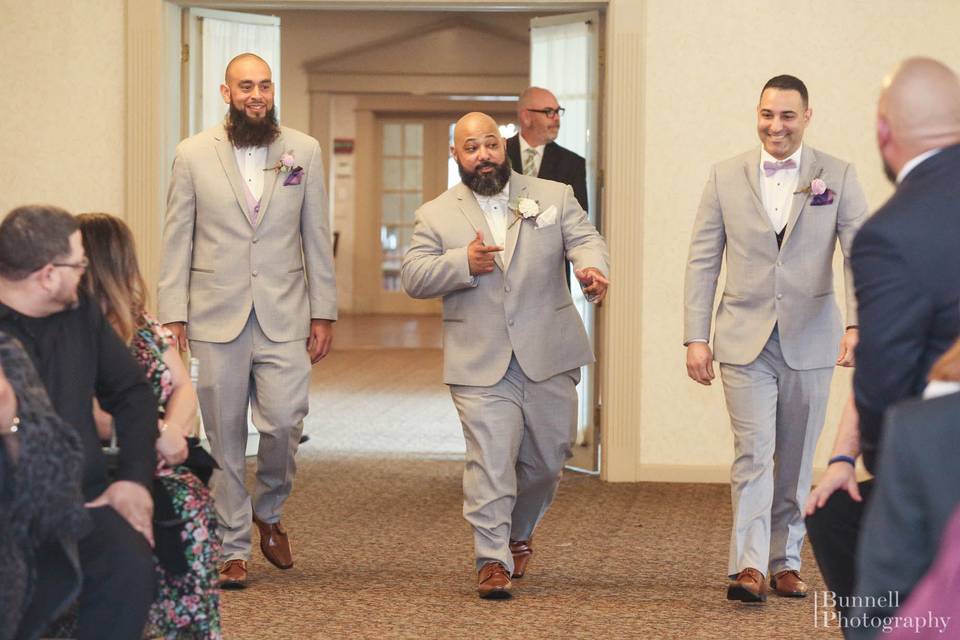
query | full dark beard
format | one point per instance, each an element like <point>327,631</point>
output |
<point>244,132</point>
<point>487,184</point>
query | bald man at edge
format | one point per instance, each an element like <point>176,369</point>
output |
<point>492,248</point>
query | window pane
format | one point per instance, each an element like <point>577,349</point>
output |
<point>411,202</point>
<point>393,207</point>
<point>392,173</point>
<point>412,173</point>
<point>413,140</point>
<point>392,139</point>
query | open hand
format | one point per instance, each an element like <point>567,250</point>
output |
<point>132,501</point>
<point>593,283</point>
<point>839,475</point>
<point>480,256</point>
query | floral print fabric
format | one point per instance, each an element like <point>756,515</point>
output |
<point>188,605</point>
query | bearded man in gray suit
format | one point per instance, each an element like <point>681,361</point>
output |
<point>513,342</point>
<point>777,212</point>
<point>248,270</point>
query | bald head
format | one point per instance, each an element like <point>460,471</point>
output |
<point>537,127</point>
<point>241,61</point>
<point>919,110</point>
<point>474,126</point>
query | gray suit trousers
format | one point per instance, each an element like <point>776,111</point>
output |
<point>518,434</point>
<point>273,378</point>
<point>776,414</point>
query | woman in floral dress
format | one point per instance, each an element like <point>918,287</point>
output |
<point>188,599</point>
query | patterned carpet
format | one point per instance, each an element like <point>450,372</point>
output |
<point>382,551</point>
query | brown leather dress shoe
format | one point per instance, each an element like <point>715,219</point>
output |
<point>522,552</point>
<point>789,584</point>
<point>493,582</point>
<point>233,574</point>
<point>274,543</point>
<point>748,586</point>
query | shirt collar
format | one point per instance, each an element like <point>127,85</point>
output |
<point>795,156</point>
<point>524,145</point>
<point>916,160</point>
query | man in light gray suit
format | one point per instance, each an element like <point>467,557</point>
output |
<point>778,212</point>
<point>248,270</point>
<point>513,341</point>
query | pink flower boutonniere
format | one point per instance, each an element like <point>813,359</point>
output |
<point>287,165</point>
<point>817,188</point>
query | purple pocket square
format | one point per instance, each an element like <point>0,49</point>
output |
<point>824,198</point>
<point>294,177</point>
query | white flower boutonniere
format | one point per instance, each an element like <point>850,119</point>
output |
<point>524,209</point>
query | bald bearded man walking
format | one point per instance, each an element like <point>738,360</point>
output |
<point>513,342</point>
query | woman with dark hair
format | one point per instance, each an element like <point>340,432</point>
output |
<point>187,547</point>
<point>41,506</point>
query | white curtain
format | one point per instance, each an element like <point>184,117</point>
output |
<point>222,40</point>
<point>561,60</point>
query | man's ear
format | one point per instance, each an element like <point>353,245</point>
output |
<point>225,92</point>
<point>883,132</point>
<point>807,115</point>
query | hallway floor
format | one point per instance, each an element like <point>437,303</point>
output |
<point>382,550</point>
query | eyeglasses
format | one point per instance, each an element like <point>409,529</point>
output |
<point>81,265</point>
<point>549,112</point>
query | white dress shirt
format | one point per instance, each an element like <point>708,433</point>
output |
<point>776,191</point>
<point>252,161</point>
<point>913,162</point>
<point>537,159</point>
<point>495,210</point>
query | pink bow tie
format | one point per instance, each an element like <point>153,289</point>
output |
<point>771,168</point>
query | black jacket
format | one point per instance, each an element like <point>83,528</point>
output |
<point>558,164</point>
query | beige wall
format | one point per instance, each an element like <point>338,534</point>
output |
<point>706,61</point>
<point>307,35</point>
<point>687,75</point>
<point>62,128</point>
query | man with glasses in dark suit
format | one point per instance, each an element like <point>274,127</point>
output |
<point>533,151</point>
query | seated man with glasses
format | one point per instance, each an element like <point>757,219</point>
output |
<point>533,151</point>
<point>78,357</point>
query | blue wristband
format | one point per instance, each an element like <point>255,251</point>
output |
<point>852,461</point>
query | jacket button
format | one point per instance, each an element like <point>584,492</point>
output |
<point>256,240</point>
<point>507,288</point>
<point>779,263</point>
<point>779,296</point>
<point>255,273</point>
<point>510,323</point>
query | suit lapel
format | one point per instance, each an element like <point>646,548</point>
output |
<point>270,176</point>
<point>751,171</point>
<point>809,167</point>
<point>228,160</point>
<point>517,190</point>
<point>474,215</point>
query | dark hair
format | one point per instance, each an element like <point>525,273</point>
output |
<point>113,277</point>
<point>32,237</point>
<point>788,83</point>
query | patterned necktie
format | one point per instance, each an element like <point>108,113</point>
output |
<point>529,163</point>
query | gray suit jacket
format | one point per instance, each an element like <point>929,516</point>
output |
<point>790,287</point>
<point>525,309</point>
<point>216,266</point>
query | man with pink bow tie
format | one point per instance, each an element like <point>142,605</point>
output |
<point>777,212</point>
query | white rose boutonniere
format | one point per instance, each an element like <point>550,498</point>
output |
<point>524,209</point>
